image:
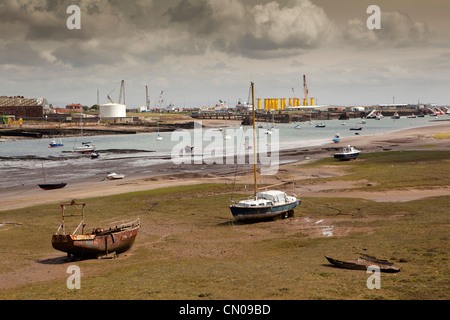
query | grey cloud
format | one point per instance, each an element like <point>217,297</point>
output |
<point>19,53</point>
<point>149,30</point>
<point>190,11</point>
<point>397,30</point>
<point>81,56</point>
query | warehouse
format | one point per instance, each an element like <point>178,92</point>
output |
<point>21,107</point>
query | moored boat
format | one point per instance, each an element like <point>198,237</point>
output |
<point>98,243</point>
<point>86,147</point>
<point>115,176</point>
<point>347,153</point>
<point>52,186</point>
<point>396,116</point>
<point>337,138</point>
<point>265,205</point>
<point>55,144</point>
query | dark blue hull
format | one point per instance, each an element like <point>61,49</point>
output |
<point>52,186</point>
<point>348,156</point>
<point>262,213</point>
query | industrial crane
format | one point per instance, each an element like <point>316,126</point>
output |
<point>305,88</point>
<point>147,99</point>
<point>122,93</point>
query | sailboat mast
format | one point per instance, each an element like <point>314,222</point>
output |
<point>43,172</point>
<point>254,137</point>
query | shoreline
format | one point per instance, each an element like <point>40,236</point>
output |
<point>168,174</point>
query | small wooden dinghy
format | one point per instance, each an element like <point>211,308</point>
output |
<point>363,262</point>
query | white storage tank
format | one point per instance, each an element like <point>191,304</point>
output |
<point>113,110</point>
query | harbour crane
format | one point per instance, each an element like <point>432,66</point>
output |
<point>147,99</point>
<point>122,92</point>
<point>160,100</point>
<point>305,88</point>
<point>109,98</point>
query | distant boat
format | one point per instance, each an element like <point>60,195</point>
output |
<point>100,243</point>
<point>158,137</point>
<point>297,127</point>
<point>396,116</point>
<point>54,144</point>
<point>115,176</point>
<point>412,116</point>
<point>337,138</point>
<point>320,125</point>
<point>86,147</point>
<point>50,186</point>
<point>348,153</point>
<point>374,114</point>
<point>356,128</point>
<point>94,155</point>
<point>263,205</point>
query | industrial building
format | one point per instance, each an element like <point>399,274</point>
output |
<point>288,104</point>
<point>113,110</point>
<point>22,107</point>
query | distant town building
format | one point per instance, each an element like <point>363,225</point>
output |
<point>74,107</point>
<point>22,107</point>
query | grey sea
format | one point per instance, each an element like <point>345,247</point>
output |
<point>25,163</point>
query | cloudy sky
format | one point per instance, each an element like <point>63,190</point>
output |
<point>200,51</point>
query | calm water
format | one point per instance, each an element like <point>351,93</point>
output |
<point>22,162</point>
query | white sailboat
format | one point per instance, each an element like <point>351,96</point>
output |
<point>86,147</point>
<point>263,205</point>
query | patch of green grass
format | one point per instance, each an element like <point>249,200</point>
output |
<point>428,146</point>
<point>396,169</point>
<point>442,136</point>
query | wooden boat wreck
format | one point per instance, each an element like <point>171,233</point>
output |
<point>363,262</point>
<point>99,243</point>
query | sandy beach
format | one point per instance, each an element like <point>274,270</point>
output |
<point>167,175</point>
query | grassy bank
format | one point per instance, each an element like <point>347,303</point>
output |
<point>395,169</point>
<point>190,248</point>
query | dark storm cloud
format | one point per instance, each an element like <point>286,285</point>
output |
<point>154,29</point>
<point>190,11</point>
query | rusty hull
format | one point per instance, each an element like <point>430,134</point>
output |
<point>98,243</point>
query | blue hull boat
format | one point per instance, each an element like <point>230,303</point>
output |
<point>348,153</point>
<point>264,213</point>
